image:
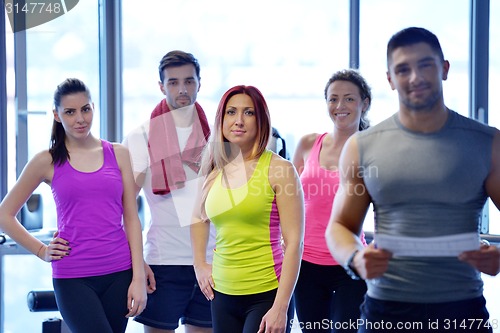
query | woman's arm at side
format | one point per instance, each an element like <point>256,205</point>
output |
<point>200,231</point>
<point>132,226</point>
<point>290,202</point>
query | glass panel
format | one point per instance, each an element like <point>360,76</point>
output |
<point>289,57</point>
<point>452,30</point>
<point>64,47</point>
<point>491,283</point>
<point>23,273</point>
<point>11,130</point>
<point>494,87</point>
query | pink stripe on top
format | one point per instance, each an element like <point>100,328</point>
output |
<point>275,239</point>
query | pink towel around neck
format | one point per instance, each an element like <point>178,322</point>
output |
<point>167,172</point>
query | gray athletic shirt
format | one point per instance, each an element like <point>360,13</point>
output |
<point>425,185</point>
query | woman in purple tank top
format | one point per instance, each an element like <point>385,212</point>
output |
<point>96,253</point>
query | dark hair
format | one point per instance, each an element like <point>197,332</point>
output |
<point>282,152</point>
<point>353,76</point>
<point>413,35</point>
<point>178,58</point>
<point>58,148</point>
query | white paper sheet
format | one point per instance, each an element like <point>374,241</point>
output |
<point>442,246</point>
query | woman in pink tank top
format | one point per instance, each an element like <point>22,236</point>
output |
<point>96,253</point>
<point>326,298</point>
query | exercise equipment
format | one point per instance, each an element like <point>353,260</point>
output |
<point>45,300</point>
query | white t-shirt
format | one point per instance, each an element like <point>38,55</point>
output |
<point>167,234</point>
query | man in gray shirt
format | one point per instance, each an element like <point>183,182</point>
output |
<point>428,172</point>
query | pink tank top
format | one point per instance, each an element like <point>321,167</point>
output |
<point>89,215</point>
<point>320,186</point>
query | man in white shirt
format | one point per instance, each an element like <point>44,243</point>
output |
<point>165,153</point>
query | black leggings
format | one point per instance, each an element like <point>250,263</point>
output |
<point>243,313</point>
<point>94,304</point>
<point>327,299</point>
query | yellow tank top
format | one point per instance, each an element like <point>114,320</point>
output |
<point>248,254</point>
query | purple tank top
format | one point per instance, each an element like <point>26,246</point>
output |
<point>89,215</point>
